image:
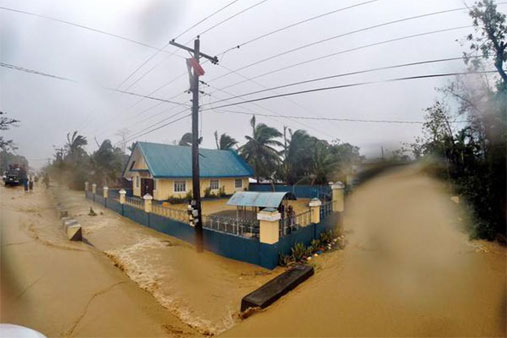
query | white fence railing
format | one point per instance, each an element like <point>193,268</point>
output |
<point>176,214</point>
<point>292,223</point>
<point>232,225</point>
<point>135,202</point>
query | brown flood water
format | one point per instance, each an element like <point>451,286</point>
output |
<point>408,270</point>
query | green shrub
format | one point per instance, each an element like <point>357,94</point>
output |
<point>316,244</point>
<point>298,251</point>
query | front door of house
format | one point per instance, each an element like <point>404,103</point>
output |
<point>146,186</point>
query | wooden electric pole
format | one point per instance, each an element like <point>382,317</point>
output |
<point>196,186</point>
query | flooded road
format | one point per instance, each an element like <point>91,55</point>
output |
<point>203,290</point>
<point>408,270</point>
<point>66,289</point>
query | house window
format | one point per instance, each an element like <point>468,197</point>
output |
<point>213,184</point>
<point>180,186</point>
<point>238,183</point>
<point>137,181</point>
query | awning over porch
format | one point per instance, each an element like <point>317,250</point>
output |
<point>259,199</point>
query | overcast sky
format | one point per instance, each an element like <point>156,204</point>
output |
<point>50,108</point>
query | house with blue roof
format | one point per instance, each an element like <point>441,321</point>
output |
<point>165,171</point>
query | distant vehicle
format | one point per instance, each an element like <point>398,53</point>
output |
<point>12,177</point>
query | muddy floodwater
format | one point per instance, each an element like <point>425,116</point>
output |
<point>408,270</point>
<point>200,294</point>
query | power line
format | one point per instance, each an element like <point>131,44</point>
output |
<point>350,85</point>
<point>32,71</point>
<point>83,27</point>
<point>328,118</point>
<point>206,18</point>
<point>346,34</point>
<point>231,17</point>
<point>167,44</point>
<point>297,24</point>
<point>205,31</point>
<point>102,131</point>
<point>347,51</point>
<point>162,126</point>
<point>343,75</point>
<point>252,112</point>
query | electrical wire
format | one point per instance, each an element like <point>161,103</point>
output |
<point>231,17</point>
<point>417,63</point>
<point>32,71</point>
<point>326,118</point>
<point>157,128</point>
<point>83,27</point>
<point>350,85</point>
<point>297,24</point>
<point>168,43</point>
<point>346,34</point>
<point>344,52</point>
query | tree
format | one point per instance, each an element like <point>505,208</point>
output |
<point>7,158</point>
<point>490,35</point>
<point>225,141</point>
<point>75,147</point>
<point>5,124</point>
<point>323,164</point>
<point>107,163</point>
<point>474,154</point>
<point>259,150</point>
<point>297,156</point>
<point>186,140</point>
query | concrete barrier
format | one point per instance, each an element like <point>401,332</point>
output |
<point>72,229</point>
<point>276,288</point>
<point>74,232</point>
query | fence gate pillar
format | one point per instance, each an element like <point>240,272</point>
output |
<point>338,196</point>
<point>147,203</point>
<point>122,193</point>
<point>94,188</point>
<point>269,222</point>
<point>106,192</point>
<point>86,186</point>
<point>314,205</point>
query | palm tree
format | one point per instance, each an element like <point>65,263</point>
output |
<point>186,140</point>
<point>324,164</point>
<point>297,156</point>
<point>225,141</point>
<point>259,149</point>
<point>74,146</point>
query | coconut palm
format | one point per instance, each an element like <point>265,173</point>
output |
<point>323,164</point>
<point>74,146</point>
<point>186,140</point>
<point>225,141</point>
<point>297,156</point>
<point>259,150</point>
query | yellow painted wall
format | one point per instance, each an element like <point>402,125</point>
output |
<point>164,188</point>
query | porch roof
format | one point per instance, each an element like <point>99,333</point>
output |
<point>259,199</point>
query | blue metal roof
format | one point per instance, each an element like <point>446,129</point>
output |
<point>259,199</point>
<point>171,161</point>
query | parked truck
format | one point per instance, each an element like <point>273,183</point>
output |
<point>13,176</point>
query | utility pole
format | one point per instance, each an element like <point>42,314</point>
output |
<point>195,205</point>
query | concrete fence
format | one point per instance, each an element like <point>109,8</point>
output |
<point>263,245</point>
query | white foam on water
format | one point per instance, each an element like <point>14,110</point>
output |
<point>141,263</point>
